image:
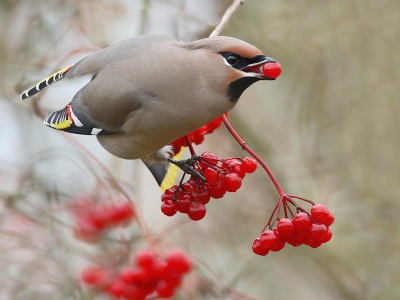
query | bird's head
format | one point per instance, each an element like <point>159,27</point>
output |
<point>242,63</point>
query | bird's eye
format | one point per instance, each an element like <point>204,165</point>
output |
<point>232,60</point>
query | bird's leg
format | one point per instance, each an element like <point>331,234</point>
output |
<point>186,165</point>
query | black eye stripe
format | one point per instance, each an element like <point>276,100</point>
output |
<point>241,61</point>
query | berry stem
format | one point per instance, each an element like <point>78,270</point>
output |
<point>285,209</point>
<point>209,163</point>
<point>298,208</point>
<point>290,210</point>
<point>180,183</point>
<point>245,147</point>
<point>280,202</point>
<point>277,206</point>
<point>189,144</point>
<point>303,199</point>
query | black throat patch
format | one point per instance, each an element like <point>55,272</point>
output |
<point>237,87</point>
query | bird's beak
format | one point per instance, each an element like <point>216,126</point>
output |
<point>255,69</point>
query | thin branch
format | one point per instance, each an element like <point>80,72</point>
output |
<point>252,153</point>
<point>225,18</point>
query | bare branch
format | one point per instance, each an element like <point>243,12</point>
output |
<point>225,18</point>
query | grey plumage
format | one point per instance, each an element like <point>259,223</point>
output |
<point>152,89</point>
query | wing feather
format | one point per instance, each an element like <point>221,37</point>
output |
<point>66,120</point>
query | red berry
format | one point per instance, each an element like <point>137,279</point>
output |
<point>232,182</point>
<point>144,277</point>
<point>216,192</point>
<point>164,289</point>
<point>208,157</point>
<point>178,260</point>
<point>168,195</point>
<point>187,187</point>
<point>203,130</point>
<point>304,238</point>
<point>169,208</point>
<point>116,288</point>
<point>278,247</point>
<point>293,240</point>
<point>197,211</point>
<point>285,227</point>
<point>100,216</point>
<point>145,259</point>
<point>318,231</point>
<point>201,196</point>
<point>329,221</point>
<point>183,204</point>
<point>197,136</point>
<point>272,70</point>
<point>315,243</point>
<point>133,292</point>
<point>211,175</point>
<point>257,249</point>
<point>249,165</point>
<point>238,170</point>
<point>121,212</point>
<point>86,230</point>
<point>302,222</point>
<point>233,165</point>
<point>160,269</point>
<point>320,213</point>
<point>211,126</point>
<point>170,192</point>
<point>328,235</point>
<point>95,275</point>
<point>173,277</point>
<point>268,240</point>
<point>129,275</point>
<point>230,163</point>
<point>281,241</point>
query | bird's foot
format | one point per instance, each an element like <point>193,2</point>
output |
<point>186,166</point>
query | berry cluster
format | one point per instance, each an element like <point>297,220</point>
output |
<point>222,175</point>
<point>150,275</point>
<point>304,229</point>
<point>197,136</point>
<point>93,219</point>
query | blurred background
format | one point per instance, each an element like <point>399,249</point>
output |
<point>328,127</point>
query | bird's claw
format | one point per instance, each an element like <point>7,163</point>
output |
<point>186,166</point>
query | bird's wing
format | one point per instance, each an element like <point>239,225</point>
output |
<point>124,77</point>
<point>67,120</point>
<point>102,106</point>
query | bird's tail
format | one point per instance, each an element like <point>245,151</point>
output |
<point>45,82</point>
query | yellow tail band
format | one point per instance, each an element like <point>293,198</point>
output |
<point>172,173</point>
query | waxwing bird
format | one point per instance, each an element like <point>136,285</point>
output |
<point>149,90</point>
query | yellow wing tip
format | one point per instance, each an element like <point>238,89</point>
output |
<point>62,125</point>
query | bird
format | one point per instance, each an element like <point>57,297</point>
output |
<point>149,90</point>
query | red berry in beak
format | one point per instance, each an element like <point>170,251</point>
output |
<point>272,70</point>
